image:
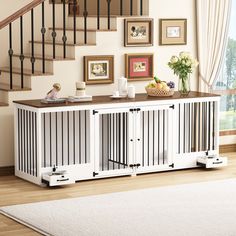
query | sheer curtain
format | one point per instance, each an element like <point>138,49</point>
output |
<point>213,18</point>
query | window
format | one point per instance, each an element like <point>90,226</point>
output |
<point>226,84</point>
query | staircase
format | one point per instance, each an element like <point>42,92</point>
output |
<point>53,39</point>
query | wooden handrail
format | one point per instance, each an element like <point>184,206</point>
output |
<point>20,13</point>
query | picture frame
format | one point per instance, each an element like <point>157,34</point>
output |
<point>138,32</point>
<point>99,69</point>
<point>173,32</point>
<point>139,67</point>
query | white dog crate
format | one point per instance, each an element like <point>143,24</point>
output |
<point>106,137</point>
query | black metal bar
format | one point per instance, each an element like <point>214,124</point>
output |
<point>102,142</point>
<point>164,136</point>
<point>123,138</point>
<point>62,138</point>
<point>113,125</point>
<point>143,139</point>
<point>85,136</point>
<point>64,38</point>
<point>98,14</point>
<point>21,52</point>
<point>117,162</point>
<point>214,131</point>
<point>119,141</point>
<point>54,34</point>
<point>74,19</point>
<point>68,137</point>
<point>209,126</point>
<point>154,127</point>
<point>141,7</point>
<point>74,135</point>
<point>19,140</point>
<point>56,117</point>
<point>121,7</point>
<point>10,52</point>
<point>148,154</point>
<point>33,142</point>
<point>189,126</point>
<point>126,138</point>
<point>131,7</point>
<point>109,14</point>
<point>36,144</point>
<point>43,31</point>
<point>85,21</point>
<point>44,138</point>
<point>30,143</point>
<point>80,139</point>
<point>27,141</point>
<point>50,136</point>
<point>32,40</point>
<point>158,137</point>
<point>184,130</point>
<point>22,141</point>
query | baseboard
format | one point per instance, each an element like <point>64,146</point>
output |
<point>6,171</point>
<point>228,148</point>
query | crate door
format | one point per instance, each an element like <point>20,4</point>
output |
<point>154,138</point>
<point>113,142</point>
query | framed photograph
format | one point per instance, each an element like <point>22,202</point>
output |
<point>99,69</point>
<point>139,67</point>
<point>138,32</point>
<point>173,31</point>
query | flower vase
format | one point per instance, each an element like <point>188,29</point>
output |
<point>184,85</point>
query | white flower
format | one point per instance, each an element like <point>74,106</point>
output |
<point>174,59</point>
<point>183,55</point>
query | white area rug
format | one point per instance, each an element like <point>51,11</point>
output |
<point>202,209</point>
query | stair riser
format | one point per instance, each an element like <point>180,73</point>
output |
<point>4,96</point>
<point>91,36</point>
<point>92,23</point>
<point>70,51</point>
<point>5,79</point>
<point>37,65</point>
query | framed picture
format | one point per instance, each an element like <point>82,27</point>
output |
<point>139,67</point>
<point>138,32</point>
<point>173,31</point>
<point>99,69</point>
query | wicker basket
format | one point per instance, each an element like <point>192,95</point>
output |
<point>159,93</point>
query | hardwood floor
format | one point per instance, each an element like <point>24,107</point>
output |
<point>16,191</point>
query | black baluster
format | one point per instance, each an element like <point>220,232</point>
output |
<point>43,31</point>
<point>64,38</point>
<point>74,11</point>
<point>54,34</point>
<point>98,14</point>
<point>121,7</point>
<point>109,14</point>
<point>131,7</point>
<point>32,40</point>
<point>21,52</point>
<point>10,52</point>
<point>85,21</point>
<point>141,7</point>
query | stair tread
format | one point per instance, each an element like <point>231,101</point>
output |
<point>47,57</point>
<point>89,30</point>
<point>6,87</point>
<point>26,72</point>
<point>61,43</point>
<point>2,104</point>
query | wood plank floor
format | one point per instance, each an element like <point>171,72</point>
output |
<point>16,191</point>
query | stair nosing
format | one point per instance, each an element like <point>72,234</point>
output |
<point>82,30</point>
<point>46,57</point>
<point>70,44</point>
<point>15,71</point>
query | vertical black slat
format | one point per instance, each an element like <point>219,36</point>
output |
<point>131,7</point>
<point>10,52</point>
<point>141,7</point>
<point>74,19</point>
<point>109,14</point>
<point>44,138</point>
<point>43,31</point>
<point>203,126</point>
<point>21,52</point>
<point>30,144</point>
<point>33,142</point>
<point>117,139</point>
<point>56,124</point>
<point>27,141</point>
<point>68,137</point>
<point>179,141</point>
<point>153,143</point>
<point>85,136</point>
<point>214,132</point>
<point>50,136</point>
<point>85,21</point>
<point>158,137</point>
<point>113,118</point>
<point>64,38</point>
<point>98,14</point>
<point>36,144</point>
<point>24,119</point>
<point>74,128</point>
<point>123,138</point>
<point>148,139</point>
<point>54,34</point>
<point>199,128</point>
<point>119,115</point>
<point>62,139</point>
<point>108,141</point>
<point>80,138</point>
<point>189,126</point>
<point>102,127</point>
<point>164,135</point>
<point>18,137</point>
<point>32,40</point>
<point>22,140</point>
<point>195,127</point>
<point>126,137</point>
<point>209,126</point>
<point>121,7</point>
<point>143,129</point>
<point>184,130</point>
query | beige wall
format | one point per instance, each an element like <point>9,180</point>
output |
<point>68,73</point>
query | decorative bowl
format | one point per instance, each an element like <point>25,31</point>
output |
<point>154,92</point>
